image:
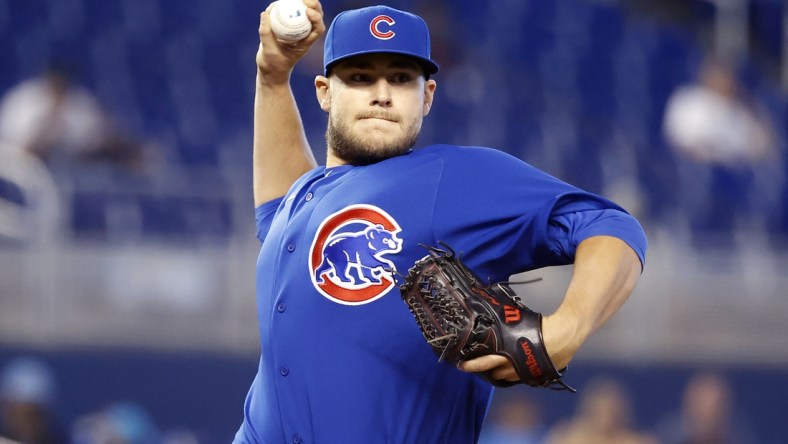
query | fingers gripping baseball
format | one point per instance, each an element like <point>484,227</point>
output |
<point>275,59</point>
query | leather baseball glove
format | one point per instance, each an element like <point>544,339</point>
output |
<point>462,318</point>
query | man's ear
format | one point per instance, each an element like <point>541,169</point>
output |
<point>429,95</point>
<point>323,93</point>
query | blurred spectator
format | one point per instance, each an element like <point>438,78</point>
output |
<point>56,119</point>
<point>119,423</point>
<point>603,417</point>
<point>513,420</point>
<point>30,207</point>
<point>706,415</point>
<point>722,137</point>
<point>27,395</point>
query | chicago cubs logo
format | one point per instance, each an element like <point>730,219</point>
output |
<point>374,27</point>
<point>347,261</point>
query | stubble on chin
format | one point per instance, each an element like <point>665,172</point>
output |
<point>358,150</point>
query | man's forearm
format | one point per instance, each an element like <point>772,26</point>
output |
<point>281,151</point>
<point>606,270</point>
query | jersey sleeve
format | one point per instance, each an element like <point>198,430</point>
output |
<point>566,230</point>
<point>264,215</point>
<point>506,216</point>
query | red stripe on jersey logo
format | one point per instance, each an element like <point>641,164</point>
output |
<point>347,261</point>
<point>374,27</point>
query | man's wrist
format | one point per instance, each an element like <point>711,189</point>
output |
<point>269,79</point>
<point>562,339</point>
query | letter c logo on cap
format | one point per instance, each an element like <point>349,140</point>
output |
<point>374,26</point>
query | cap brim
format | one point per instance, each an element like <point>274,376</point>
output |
<point>429,66</point>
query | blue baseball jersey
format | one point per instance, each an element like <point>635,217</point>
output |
<point>342,358</point>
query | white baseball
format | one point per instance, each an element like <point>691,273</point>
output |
<point>289,22</point>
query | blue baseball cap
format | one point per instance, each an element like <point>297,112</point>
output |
<point>378,29</point>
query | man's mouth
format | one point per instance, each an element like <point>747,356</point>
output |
<point>379,116</point>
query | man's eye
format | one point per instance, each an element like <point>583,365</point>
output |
<point>359,78</point>
<point>401,78</point>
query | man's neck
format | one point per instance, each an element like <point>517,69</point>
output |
<point>332,160</point>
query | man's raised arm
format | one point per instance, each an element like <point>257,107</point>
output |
<point>281,151</point>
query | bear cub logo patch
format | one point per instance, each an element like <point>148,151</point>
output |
<point>348,259</point>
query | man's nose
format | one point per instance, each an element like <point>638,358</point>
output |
<point>381,93</point>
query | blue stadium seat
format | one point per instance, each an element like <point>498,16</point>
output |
<point>766,23</point>
<point>149,72</point>
<point>102,16</point>
<point>11,192</point>
<point>187,218</point>
<point>88,215</point>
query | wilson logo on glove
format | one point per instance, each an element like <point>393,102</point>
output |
<point>460,318</point>
<point>533,365</point>
<point>511,314</point>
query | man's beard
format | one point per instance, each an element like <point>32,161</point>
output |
<point>359,151</point>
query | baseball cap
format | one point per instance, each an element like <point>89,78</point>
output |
<point>378,29</point>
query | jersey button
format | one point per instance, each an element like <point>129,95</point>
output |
<point>281,307</point>
<point>309,196</point>
<point>290,248</point>
<point>284,371</point>
<point>297,439</point>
